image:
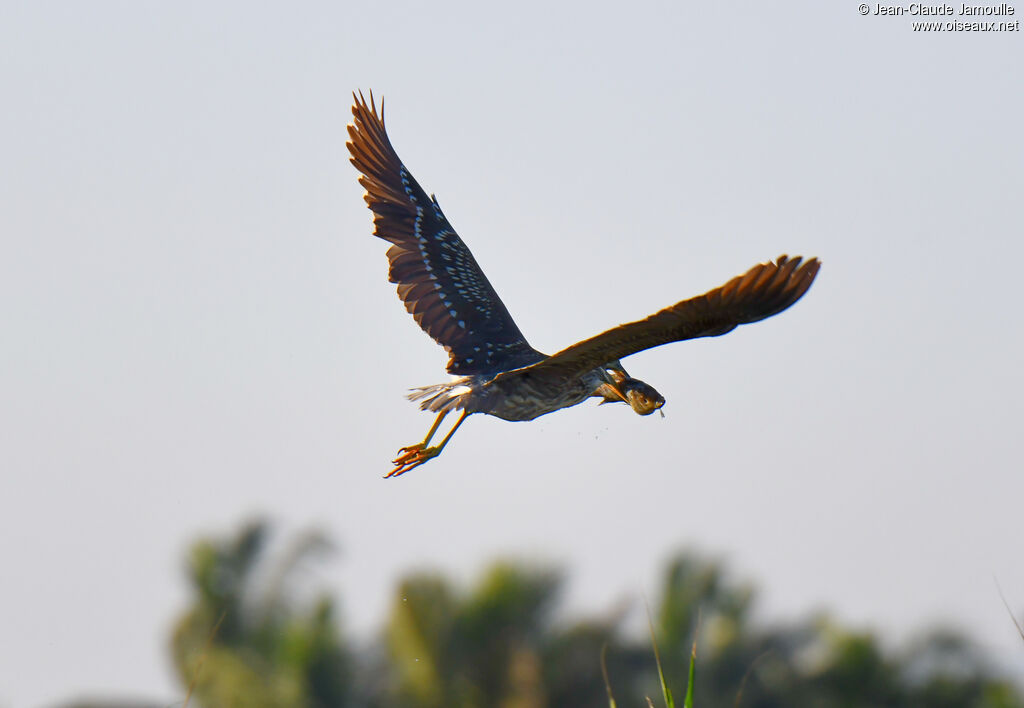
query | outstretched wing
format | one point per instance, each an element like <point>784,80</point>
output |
<point>438,279</point>
<point>763,291</point>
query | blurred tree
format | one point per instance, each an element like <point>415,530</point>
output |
<point>813,664</point>
<point>245,643</point>
<point>497,645</point>
<point>698,603</point>
<point>481,650</point>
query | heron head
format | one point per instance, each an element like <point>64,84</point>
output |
<point>641,396</point>
<point>620,386</point>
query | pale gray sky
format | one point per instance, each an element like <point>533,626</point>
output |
<point>198,326</point>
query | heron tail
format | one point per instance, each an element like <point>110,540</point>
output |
<point>439,398</point>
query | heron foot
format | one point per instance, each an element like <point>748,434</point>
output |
<point>412,456</point>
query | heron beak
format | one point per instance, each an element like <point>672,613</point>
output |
<point>611,394</point>
<point>615,376</point>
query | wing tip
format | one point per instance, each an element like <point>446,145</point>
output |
<point>796,277</point>
<point>365,116</point>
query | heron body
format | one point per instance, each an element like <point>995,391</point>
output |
<point>497,371</point>
<point>530,399</point>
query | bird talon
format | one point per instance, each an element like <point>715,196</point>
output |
<point>414,456</point>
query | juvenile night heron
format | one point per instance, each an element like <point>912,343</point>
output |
<point>498,372</point>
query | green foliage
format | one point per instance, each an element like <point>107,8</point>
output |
<point>245,643</point>
<point>497,644</point>
<point>482,649</point>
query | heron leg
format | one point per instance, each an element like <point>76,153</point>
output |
<point>416,455</point>
<point>430,434</point>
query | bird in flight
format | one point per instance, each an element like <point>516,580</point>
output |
<point>497,372</point>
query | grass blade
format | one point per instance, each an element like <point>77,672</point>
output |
<point>604,672</point>
<point>746,675</point>
<point>202,658</point>
<point>688,701</point>
<point>1020,630</point>
<point>665,691</point>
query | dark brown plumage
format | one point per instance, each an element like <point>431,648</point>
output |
<point>764,290</point>
<point>500,373</point>
<point>438,279</point>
